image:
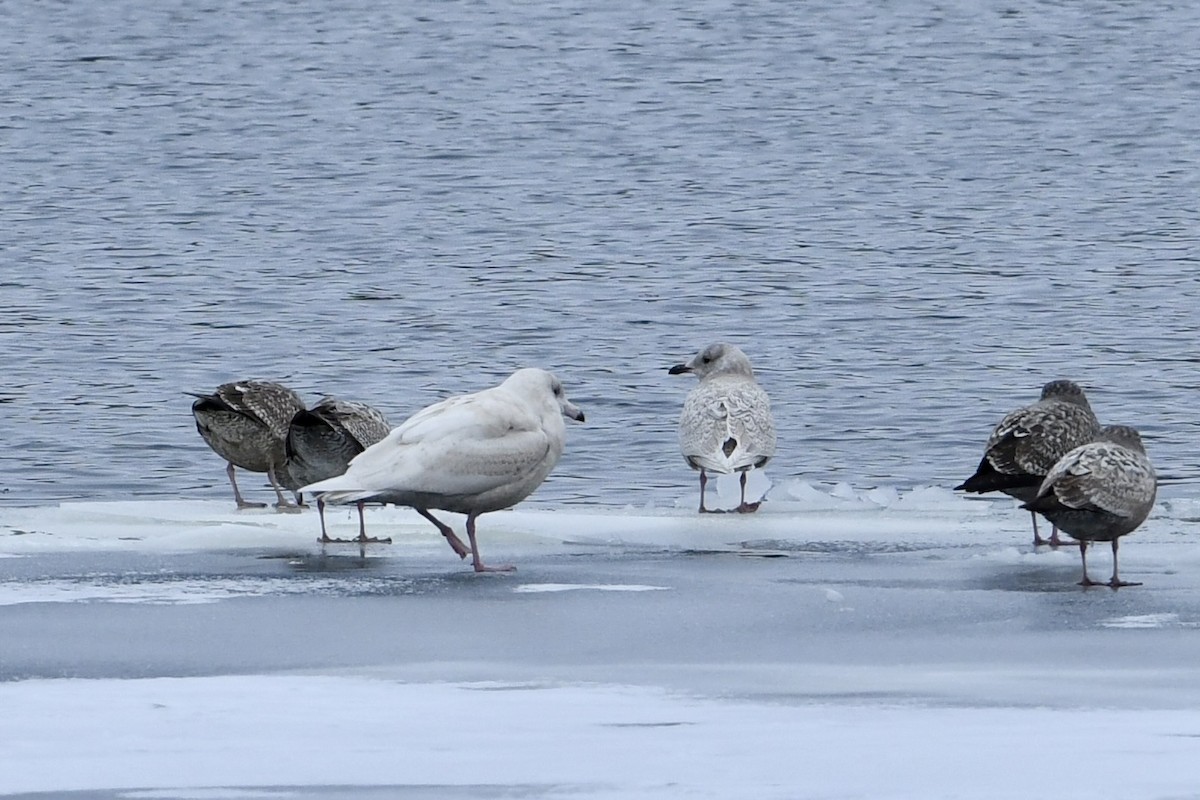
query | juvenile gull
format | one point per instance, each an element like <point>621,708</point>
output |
<point>246,423</point>
<point>1029,441</point>
<point>469,454</point>
<point>322,440</point>
<point>726,425</point>
<point>1099,492</point>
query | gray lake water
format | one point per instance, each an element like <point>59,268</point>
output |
<point>909,215</point>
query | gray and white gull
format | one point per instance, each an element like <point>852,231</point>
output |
<point>1029,441</point>
<point>321,442</point>
<point>1100,492</point>
<point>469,454</point>
<point>726,425</point>
<point>246,423</point>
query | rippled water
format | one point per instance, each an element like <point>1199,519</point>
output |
<point>909,216</point>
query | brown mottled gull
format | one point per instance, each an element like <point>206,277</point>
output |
<point>469,454</point>
<point>1029,441</point>
<point>246,424</point>
<point>321,442</point>
<point>1099,492</point>
<point>726,425</point>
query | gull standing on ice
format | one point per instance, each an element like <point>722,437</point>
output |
<point>469,454</point>
<point>726,425</point>
<point>322,440</point>
<point>1029,441</point>
<point>1099,492</point>
<point>246,423</point>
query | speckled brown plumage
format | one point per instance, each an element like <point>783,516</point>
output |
<point>1100,492</point>
<point>246,424</point>
<point>1029,441</point>
<point>321,442</point>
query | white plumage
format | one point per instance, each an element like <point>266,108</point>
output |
<point>726,425</point>
<point>469,454</point>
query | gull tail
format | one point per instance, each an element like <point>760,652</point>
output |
<point>1045,502</point>
<point>339,490</point>
<point>988,479</point>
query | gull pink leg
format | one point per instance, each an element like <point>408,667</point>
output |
<point>1083,557</point>
<point>321,513</point>
<point>703,483</point>
<point>362,529</point>
<point>475,559</point>
<point>744,507</point>
<point>1116,581</point>
<point>456,543</point>
<point>284,505</point>
<point>1038,541</point>
<point>237,495</point>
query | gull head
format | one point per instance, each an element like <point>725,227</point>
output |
<point>538,383</point>
<point>1068,391</point>
<point>1123,435</point>
<point>719,358</point>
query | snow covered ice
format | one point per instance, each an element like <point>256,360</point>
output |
<point>842,643</point>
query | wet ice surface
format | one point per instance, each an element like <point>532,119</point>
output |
<point>837,644</point>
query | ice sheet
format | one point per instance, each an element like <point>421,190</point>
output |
<point>584,741</point>
<point>840,643</point>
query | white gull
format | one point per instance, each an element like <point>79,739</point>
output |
<point>469,454</point>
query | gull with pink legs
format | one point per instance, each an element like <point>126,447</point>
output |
<point>470,454</point>
<point>726,425</point>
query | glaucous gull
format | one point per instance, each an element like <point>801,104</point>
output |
<point>469,454</point>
